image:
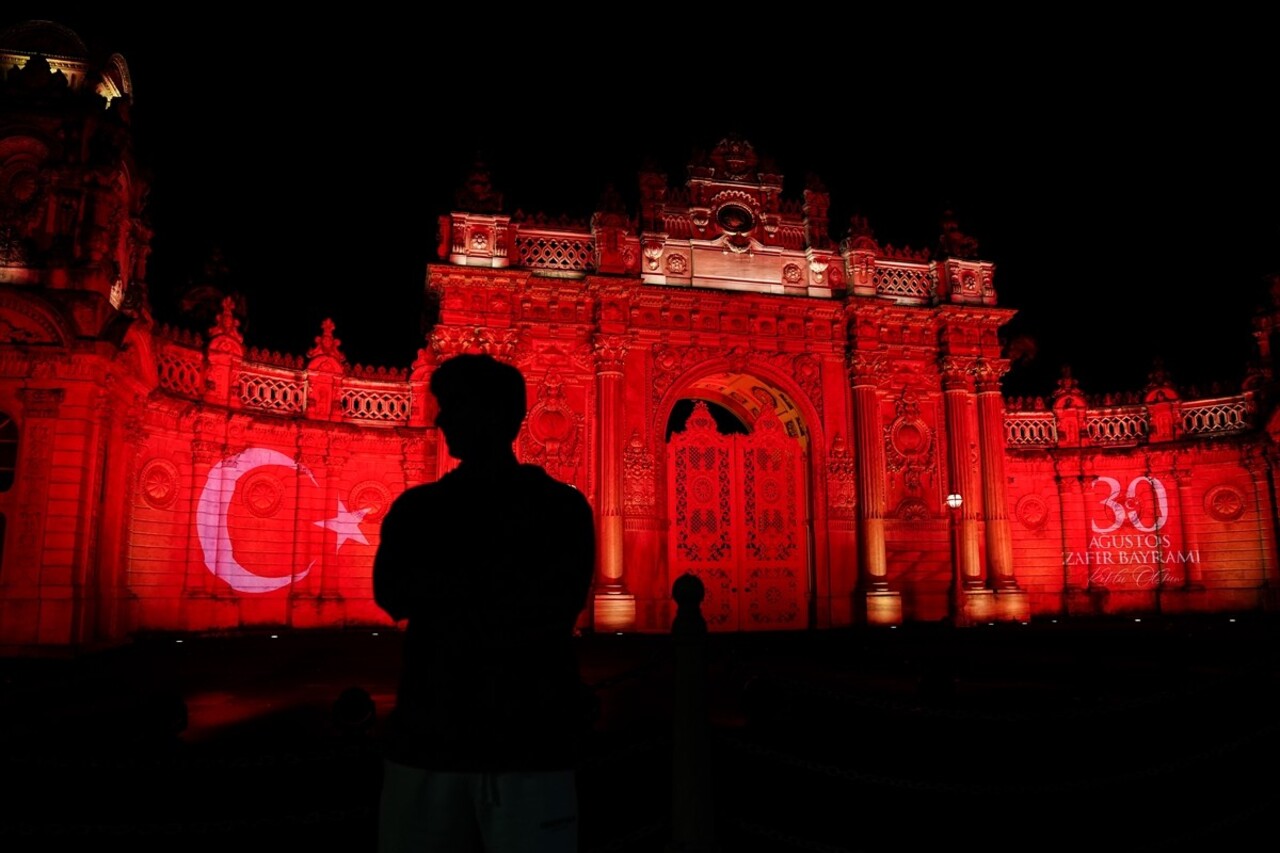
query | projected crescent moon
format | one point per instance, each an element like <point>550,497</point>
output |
<point>211,519</point>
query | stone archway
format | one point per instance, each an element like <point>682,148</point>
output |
<point>738,503</point>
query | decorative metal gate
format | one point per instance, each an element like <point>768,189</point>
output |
<point>737,505</point>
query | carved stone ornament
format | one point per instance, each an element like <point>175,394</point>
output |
<point>841,479</point>
<point>1224,503</point>
<point>868,368</point>
<point>677,264</point>
<point>638,476</point>
<point>734,159</point>
<point>262,493</point>
<point>455,340</point>
<point>792,274</point>
<point>551,431</point>
<point>909,445</point>
<point>41,402</point>
<point>1032,511</point>
<point>609,352</point>
<point>371,496</point>
<point>818,269</point>
<point>669,362</point>
<point>158,483</point>
<point>912,509</point>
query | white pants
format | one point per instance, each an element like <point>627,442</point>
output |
<point>424,811</point>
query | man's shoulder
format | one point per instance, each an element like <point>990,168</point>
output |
<point>422,495</point>
<point>536,476</point>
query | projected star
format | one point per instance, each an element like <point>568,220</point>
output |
<point>346,524</point>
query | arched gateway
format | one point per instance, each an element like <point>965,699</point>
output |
<point>738,502</point>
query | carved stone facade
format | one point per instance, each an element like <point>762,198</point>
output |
<point>737,395</point>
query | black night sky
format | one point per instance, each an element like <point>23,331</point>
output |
<point>1125,186</point>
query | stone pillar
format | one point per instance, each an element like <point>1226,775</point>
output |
<point>877,602</point>
<point>1075,541</point>
<point>973,602</point>
<point>1260,472</point>
<point>614,608</point>
<point>1011,602</point>
<point>958,400</point>
<point>1193,578</point>
<point>335,462</point>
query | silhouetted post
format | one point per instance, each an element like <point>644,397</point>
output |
<point>692,810</point>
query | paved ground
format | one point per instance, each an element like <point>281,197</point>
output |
<point>1152,735</point>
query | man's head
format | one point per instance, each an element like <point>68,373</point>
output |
<point>481,404</point>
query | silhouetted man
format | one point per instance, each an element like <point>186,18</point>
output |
<point>491,566</point>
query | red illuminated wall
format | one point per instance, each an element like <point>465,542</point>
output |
<point>172,481</point>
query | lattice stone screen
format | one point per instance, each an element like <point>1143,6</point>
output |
<point>902,282</point>
<point>557,253</point>
<point>180,372</point>
<point>1031,430</point>
<point>375,404</point>
<point>271,393</point>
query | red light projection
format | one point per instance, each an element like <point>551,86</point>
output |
<point>184,481</point>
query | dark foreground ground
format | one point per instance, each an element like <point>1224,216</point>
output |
<point>1152,735</point>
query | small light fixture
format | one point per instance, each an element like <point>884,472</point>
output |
<point>955,500</point>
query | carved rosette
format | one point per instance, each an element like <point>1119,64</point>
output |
<point>370,495</point>
<point>842,492</point>
<point>638,480</point>
<point>792,274</point>
<point>1224,503</point>
<point>262,492</point>
<point>908,442</point>
<point>1032,512</point>
<point>912,509</point>
<point>159,483</point>
<point>551,432</point>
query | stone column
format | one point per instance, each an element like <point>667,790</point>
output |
<point>973,602</point>
<point>879,604</point>
<point>957,384</point>
<point>614,608</point>
<point>1193,574</point>
<point>1260,473</point>
<point>1011,602</point>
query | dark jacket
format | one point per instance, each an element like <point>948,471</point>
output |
<point>491,565</point>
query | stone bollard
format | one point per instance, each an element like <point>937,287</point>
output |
<point>692,806</point>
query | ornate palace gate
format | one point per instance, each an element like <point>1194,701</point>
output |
<point>738,521</point>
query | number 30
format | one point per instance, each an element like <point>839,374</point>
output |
<point>1119,512</point>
